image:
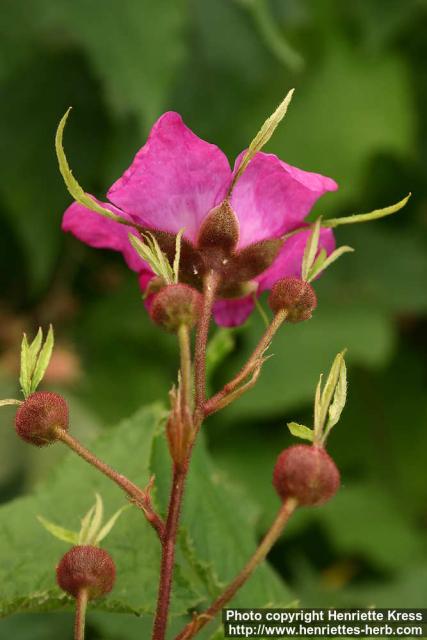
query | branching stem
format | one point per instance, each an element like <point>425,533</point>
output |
<point>219,400</point>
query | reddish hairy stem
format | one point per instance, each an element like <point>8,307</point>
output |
<point>219,400</point>
<point>225,400</point>
<point>168,553</point>
<point>138,496</point>
<point>285,512</point>
<point>80,619</point>
<point>180,472</point>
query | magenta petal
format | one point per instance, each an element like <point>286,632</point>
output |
<point>174,180</point>
<point>272,197</point>
<point>145,277</point>
<point>289,260</point>
<point>232,312</point>
<point>101,232</point>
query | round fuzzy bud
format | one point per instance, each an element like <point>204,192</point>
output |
<point>294,296</point>
<point>38,417</point>
<point>220,229</point>
<point>307,473</point>
<point>86,567</point>
<point>176,305</point>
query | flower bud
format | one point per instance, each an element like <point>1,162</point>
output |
<point>294,296</point>
<point>39,416</point>
<point>86,567</point>
<point>307,473</point>
<point>176,305</point>
<point>219,230</point>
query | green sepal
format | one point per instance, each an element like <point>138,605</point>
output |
<point>330,400</point>
<point>315,261</point>
<point>301,431</point>
<point>264,135</point>
<point>367,217</point>
<point>71,183</point>
<point>310,250</point>
<point>43,360</point>
<point>59,532</point>
<point>149,250</point>
<point>91,529</point>
<point>35,358</point>
<point>323,261</point>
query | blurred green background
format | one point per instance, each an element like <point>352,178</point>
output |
<point>358,115</point>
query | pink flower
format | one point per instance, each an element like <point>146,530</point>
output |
<point>175,180</point>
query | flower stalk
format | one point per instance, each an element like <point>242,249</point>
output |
<point>141,498</point>
<point>168,552</point>
<point>210,287</point>
<point>80,619</point>
<point>270,538</point>
<point>233,389</point>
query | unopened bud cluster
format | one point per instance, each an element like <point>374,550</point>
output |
<point>176,305</point>
<point>307,473</point>
<point>86,567</point>
<point>295,296</point>
<point>39,417</point>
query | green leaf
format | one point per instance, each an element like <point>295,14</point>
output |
<point>300,431</point>
<point>214,511</point>
<point>43,358</point>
